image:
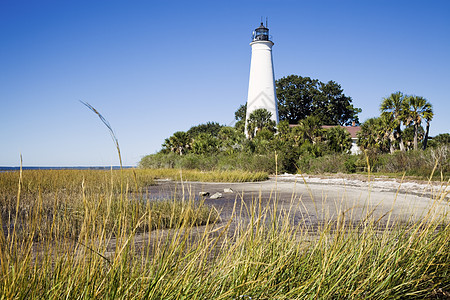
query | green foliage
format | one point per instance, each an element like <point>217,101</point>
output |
<point>258,120</point>
<point>307,145</point>
<point>372,135</point>
<point>241,113</point>
<point>309,129</point>
<point>283,130</point>
<point>393,112</point>
<point>312,150</point>
<point>300,97</point>
<point>159,160</point>
<point>295,96</point>
<point>440,140</point>
<point>409,135</point>
<point>179,142</point>
<point>333,107</point>
<point>265,134</point>
<point>417,163</point>
<point>240,126</point>
<point>211,128</point>
<point>398,109</point>
<point>200,139</point>
<point>417,109</point>
<point>336,163</point>
<point>205,143</point>
<point>231,140</point>
<point>350,163</point>
<point>338,140</point>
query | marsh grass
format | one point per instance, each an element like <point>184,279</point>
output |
<point>70,242</point>
<point>207,176</point>
<point>69,235</point>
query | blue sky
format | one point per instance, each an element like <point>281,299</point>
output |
<point>156,67</point>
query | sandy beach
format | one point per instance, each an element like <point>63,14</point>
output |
<point>313,199</point>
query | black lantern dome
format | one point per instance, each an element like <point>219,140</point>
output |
<point>261,33</point>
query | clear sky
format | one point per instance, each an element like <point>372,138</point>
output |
<point>156,67</point>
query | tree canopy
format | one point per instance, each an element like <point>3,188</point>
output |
<point>300,97</point>
<point>258,120</point>
<point>399,125</point>
<point>211,128</point>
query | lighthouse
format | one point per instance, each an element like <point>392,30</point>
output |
<point>261,86</point>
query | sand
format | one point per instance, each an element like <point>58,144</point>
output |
<point>312,200</point>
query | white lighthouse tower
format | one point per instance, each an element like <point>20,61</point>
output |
<point>261,87</point>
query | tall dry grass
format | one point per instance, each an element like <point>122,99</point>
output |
<point>69,235</point>
<point>115,252</point>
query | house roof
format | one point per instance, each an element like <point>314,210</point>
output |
<point>353,130</point>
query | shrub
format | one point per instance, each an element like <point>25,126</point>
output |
<point>159,160</point>
<point>350,163</point>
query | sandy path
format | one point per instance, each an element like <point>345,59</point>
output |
<point>310,200</point>
<point>314,199</point>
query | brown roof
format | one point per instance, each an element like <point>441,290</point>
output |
<point>353,130</point>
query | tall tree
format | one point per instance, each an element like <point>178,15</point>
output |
<point>333,107</point>
<point>240,113</point>
<point>418,108</point>
<point>295,96</point>
<point>393,108</point>
<point>428,116</point>
<point>388,123</point>
<point>300,97</point>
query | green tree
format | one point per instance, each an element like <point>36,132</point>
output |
<point>241,112</point>
<point>258,120</point>
<point>440,139</point>
<point>309,129</point>
<point>409,132</point>
<point>300,97</point>
<point>239,115</point>
<point>428,116</point>
<point>388,123</point>
<point>372,135</point>
<point>179,142</point>
<point>295,96</point>
<point>283,130</point>
<point>338,139</point>
<point>211,128</point>
<point>393,108</point>
<point>231,139</point>
<point>418,108</point>
<point>333,107</point>
<point>205,143</point>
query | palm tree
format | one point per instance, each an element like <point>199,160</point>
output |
<point>373,135</point>
<point>392,108</point>
<point>388,125</point>
<point>179,142</point>
<point>338,139</point>
<point>310,129</point>
<point>418,109</point>
<point>428,116</point>
<point>259,119</point>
